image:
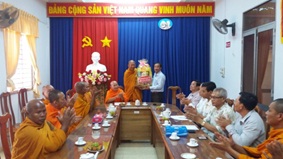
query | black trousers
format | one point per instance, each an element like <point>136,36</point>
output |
<point>157,97</point>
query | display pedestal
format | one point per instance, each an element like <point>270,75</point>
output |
<point>101,96</point>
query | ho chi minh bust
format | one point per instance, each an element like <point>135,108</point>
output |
<point>95,57</point>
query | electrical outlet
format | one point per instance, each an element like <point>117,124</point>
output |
<point>222,72</point>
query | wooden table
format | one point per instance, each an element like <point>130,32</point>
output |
<point>111,137</point>
<point>166,148</point>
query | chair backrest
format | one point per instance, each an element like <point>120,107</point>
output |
<point>23,99</point>
<point>174,90</point>
<point>6,105</point>
<point>7,135</point>
<point>261,109</point>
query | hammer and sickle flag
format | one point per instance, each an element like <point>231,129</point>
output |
<point>86,41</point>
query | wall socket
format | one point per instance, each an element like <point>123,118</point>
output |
<point>222,72</point>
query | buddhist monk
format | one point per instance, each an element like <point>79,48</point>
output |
<point>115,94</point>
<point>85,101</point>
<point>132,91</point>
<point>45,92</point>
<point>36,137</point>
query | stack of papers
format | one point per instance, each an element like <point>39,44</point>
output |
<point>179,117</point>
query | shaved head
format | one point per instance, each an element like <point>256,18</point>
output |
<point>46,89</point>
<point>36,111</point>
<point>81,87</point>
<point>131,65</point>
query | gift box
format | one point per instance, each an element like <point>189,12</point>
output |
<point>97,118</point>
<point>181,130</point>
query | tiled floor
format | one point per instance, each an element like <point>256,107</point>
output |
<point>136,150</point>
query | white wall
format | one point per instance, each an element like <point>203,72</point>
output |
<point>231,58</point>
<point>38,9</point>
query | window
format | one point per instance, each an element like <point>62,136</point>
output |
<point>23,77</point>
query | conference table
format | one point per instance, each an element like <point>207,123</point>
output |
<point>122,126</point>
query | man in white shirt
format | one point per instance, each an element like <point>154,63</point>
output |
<point>248,128</point>
<point>220,108</point>
<point>158,82</point>
<point>193,98</point>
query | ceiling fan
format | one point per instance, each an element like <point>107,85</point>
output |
<point>8,16</point>
<point>221,26</point>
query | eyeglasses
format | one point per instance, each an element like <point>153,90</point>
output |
<point>214,97</point>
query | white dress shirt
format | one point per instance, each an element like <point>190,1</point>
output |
<point>247,131</point>
<point>158,82</point>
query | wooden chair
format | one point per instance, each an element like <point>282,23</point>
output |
<point>70,93</point>
<point>174,90</point>
<point>6,105</point>
<point>23,100</point>
<point>261,109</point>
<point>7,135</point>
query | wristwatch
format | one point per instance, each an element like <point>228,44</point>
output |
<point>203,122</point>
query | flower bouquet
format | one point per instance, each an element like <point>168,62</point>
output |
<point>94,77</point>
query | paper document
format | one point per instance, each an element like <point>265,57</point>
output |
<point>179,117</point>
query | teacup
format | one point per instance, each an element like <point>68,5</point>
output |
<point>174,135</point>
<point>166,114</point>
<point>105,122</point>
<point>109,115</point>
<point>166,122</point>
<point>193,141</point>
<point>80,140</point>
<point>96,125</point>
<point>167,110</point>
<point>162,105</point>
<point>137,102</point>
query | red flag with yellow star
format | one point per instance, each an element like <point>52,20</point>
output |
<point>95,35</point>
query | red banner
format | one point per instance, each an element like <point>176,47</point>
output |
<point>182,9</point>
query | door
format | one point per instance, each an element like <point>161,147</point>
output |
<point>258,62</point>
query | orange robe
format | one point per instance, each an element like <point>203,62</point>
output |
<point>45,101</point>
<point>110,94</point>
<point>82,107</point>
<point>130,80</point>
<point>35,141</point>
<point>52,114</point>
<point>257,152</point>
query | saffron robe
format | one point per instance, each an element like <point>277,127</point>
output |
<point>82,107</point>
<point>130,81</point>
<point>110,94</point>
<point>257,152</point>
<point>35,141</point>
<point>45,101</point>
<point>52,114</point>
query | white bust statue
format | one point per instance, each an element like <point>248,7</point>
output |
<point>95,57</point>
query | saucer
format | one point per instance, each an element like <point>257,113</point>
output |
<point>144,103</point>
<point>174,138</point>
<point>105,125</point>
<point>188,155</point>
<point>96,128</point>
<point>109,117</point>
<point>80,144</point>
<point>192,145</point>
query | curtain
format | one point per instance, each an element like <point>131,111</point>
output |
<point>32,43</point>
<point>96,29</point>
<point>26,24</point>
<point>61,53</point>
<point>12,52</point>
<point>183,50</point>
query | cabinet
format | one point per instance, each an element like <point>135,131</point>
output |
<point>135,124</point>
